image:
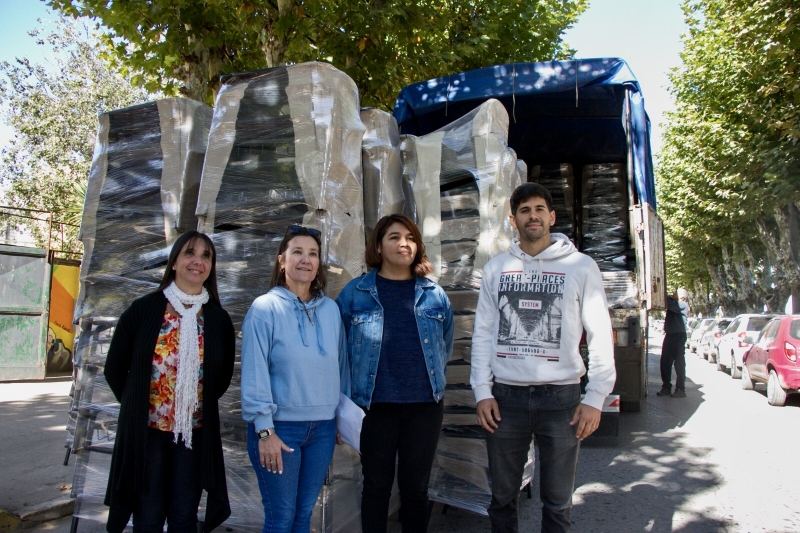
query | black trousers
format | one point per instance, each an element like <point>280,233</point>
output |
<point>173,477</point>
<point>673,352</point>
<point>405,435</point>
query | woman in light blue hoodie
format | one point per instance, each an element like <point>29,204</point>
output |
<point>294,365</point>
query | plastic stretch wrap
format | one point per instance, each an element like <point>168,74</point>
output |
<point>560,181</point>
<point>605,233</point>
<point>460,178</point>
<point>621,290</point>
<point>460,474</point>
<point>140,196</point>
<point>383,171</point>
<point>89,486</point>
<point>284,148</point>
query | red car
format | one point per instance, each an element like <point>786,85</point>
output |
<point>773,359</point>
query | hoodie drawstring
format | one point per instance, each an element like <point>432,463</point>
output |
<point>310,314</point>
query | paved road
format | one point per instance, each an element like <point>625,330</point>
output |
<point>721,459</point>
<point>714,461</point>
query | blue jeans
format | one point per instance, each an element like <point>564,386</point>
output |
<point>289,498</point>
<point>544,412</point>
<point>173,477</point>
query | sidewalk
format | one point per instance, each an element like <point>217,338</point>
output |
<point>34,483</point>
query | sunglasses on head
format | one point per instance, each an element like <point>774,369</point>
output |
<point>294,229</point>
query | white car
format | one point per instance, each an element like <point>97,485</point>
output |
<point>697,334</point>
<point>732,345</point>
<point>708,343</point>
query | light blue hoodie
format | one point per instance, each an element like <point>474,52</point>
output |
<point>294,359</point>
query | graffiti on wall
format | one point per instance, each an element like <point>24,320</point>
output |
<point>60,335</point>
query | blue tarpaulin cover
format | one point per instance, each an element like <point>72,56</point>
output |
<point>560,111</point>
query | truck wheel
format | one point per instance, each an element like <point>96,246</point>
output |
<point>747,381</point>
<point>775,394</point>
<point>630,406</point>
<point>736,372</point>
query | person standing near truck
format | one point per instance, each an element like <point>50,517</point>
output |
<point>535,302</point>
<point>673,351</point>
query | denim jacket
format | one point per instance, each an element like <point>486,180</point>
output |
<point>362,315</point>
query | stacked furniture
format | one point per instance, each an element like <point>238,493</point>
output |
<point>141,195</point>
<point>560,182</point>
<point>285,147</point>
<point>382,167</point>
<point>604,224</point>
<point>460,178</point>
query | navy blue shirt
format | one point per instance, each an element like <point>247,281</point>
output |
<point>402,374</point>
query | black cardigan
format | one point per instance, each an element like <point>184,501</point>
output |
<point>128,370</point>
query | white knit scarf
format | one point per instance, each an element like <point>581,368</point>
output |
<point>185,401</point>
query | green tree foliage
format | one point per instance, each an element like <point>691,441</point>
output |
<point>53,110</point>
<point>728,173</point>
<point>185,46</point>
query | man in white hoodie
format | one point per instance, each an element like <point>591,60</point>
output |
<point>535,302</point>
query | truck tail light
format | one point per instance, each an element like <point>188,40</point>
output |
<point>791,351</point>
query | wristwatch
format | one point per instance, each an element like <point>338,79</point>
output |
<point>264,434</point>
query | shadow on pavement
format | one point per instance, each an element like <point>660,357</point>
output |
<point>641,480</point>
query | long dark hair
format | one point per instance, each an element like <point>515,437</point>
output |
<point>420,266</point>
<point>169,274</point>
<point>278,278</point>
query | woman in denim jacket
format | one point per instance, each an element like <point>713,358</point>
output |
<point>398,377</point>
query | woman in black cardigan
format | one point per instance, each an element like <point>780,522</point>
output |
<point>168,447</point>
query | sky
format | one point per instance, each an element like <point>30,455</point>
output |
<point>646,33</point>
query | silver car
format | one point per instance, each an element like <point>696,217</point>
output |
<point>708,343</point>
<point>697,334</point>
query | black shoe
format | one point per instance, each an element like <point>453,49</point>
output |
<point>665,391</point>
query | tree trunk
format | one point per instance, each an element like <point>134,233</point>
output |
<point>273,41</point>
<point>793,238</point>
<point>720,287</point>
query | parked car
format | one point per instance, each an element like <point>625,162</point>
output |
<point>708,343</point>
<point>773,359</point>
<point>697,333</point>
<point>691,323</point>
<point>732,345</point>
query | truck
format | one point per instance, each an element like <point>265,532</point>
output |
<point>582,129</point>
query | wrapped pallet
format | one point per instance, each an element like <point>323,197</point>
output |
<point>460,473</point>
<point>140,196</point>
<point>460,178</point>
<point>604,225</point>
<point>285,147</point>
<point>380,155</point>
<point>560,182</point>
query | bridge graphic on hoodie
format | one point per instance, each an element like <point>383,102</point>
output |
<point>530,305</point>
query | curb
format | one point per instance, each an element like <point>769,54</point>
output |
<point>36,514</point>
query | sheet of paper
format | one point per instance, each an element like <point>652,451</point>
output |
<point>349,417</point>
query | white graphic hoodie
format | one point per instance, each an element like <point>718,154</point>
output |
<point>532,311</point>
